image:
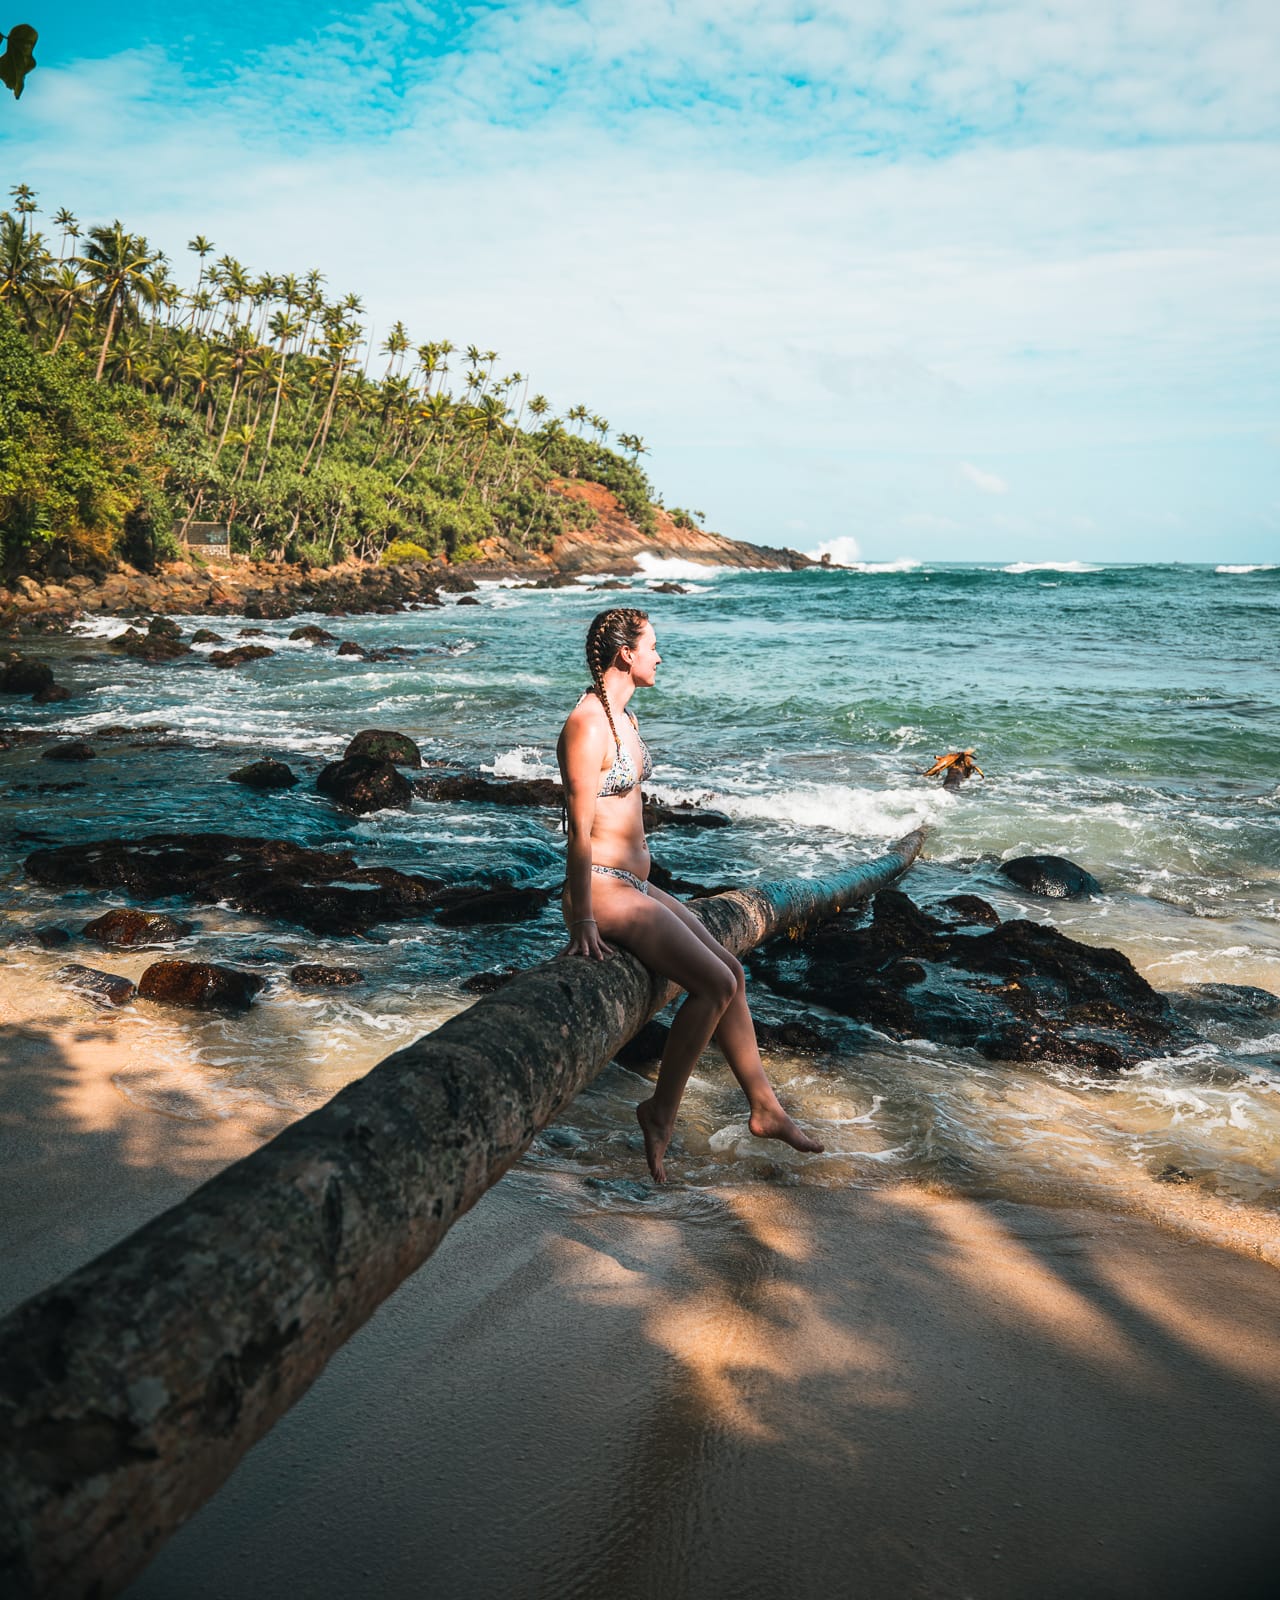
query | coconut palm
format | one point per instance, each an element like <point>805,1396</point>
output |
<point>23,264</point>
<point>24,203</point>
<point>68,222</point>
<point>119,267</point>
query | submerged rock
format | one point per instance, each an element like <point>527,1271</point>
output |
<point>51,938</point>
<point>1052,876</point>
<point>25,675</point>
<point>206,636</point>
<point>380,744</point>
<point>51,694</point>
<point>200,985</point>
<point>363,786</point>
<point>264,775</point>
<point>1021,992</point>
<point>150,646</point>
<point>110,988</point>
<point>130,927</point>
<point>75,750</point>
<point>240,655</point>
<point>657,815</point>
<point>467,789</point>
<point>313,975</point>
<point>313,634</point>
<point>324,891</point>
<point>468,904</point>
<point>966,910</point>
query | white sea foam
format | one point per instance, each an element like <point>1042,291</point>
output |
<point>1261,566</point>
<point>864,813</point>
<point>525,761</point>
<point>902,564</point>
<point>652,566</point>
<point>1019,567</point>
<point>844,551</point>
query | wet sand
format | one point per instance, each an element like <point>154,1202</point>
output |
<point>793,1392</point>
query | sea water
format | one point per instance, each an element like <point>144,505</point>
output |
<point>1127,717</point>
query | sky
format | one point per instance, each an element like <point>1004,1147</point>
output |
<point>931,279</point>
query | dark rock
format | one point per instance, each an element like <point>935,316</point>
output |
<point>487,982</point>
<point>164,628</point>
<point>667,588</point>
<point>349,647</point>
<point>51,694</point>
<point>321,890</point>
<point>967,910</point>
<point>468,600</point>
<point>800,1038</point>
<point>206,636</point>
<point>492,791</point>
<point>1021,992</point>
<point>363,786</point>
<point>454,582</point>
<point>130,927</point>
<point>109,988</point>
<point>251,633</point>
<point>312,975</point>
<point>377,744</point>
<point>468,904</point>
<point>685,888</point>
<point>199,985</point>
<point>149,647</point>
<point>238,656</point>
<point>313,634</point>
<point>264,775</point>
<point>643,1051</point>
<point>76,750</point>
<point>26,675</point>
<point>657,815</point>
<point>611,583</point>
<point>51,938</point>
<point>1052,876</point>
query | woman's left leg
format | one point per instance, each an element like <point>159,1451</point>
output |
<point>736,1037</point>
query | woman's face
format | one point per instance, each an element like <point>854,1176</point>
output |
<point>643,658</point>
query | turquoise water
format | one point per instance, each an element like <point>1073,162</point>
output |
<point>1127,717</point>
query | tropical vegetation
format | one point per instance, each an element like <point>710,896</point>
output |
<point>132,406</point>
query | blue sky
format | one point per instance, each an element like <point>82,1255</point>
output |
<point>937,280</point>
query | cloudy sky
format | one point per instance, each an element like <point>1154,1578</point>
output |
<point>947,280</point>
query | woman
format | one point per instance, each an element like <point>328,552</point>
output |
<point>603,761</point>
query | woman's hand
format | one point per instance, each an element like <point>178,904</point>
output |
<point>585,940</point>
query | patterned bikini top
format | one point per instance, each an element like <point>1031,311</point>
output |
<point>621,776</point>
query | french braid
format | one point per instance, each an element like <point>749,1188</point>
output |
<point>610,632</point>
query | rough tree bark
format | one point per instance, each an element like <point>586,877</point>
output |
<point>130,1390</point>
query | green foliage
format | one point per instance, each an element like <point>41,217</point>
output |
<point>404,550</point>
<point>127,402</point>
<point>686,519</point>
<point>78,462</point>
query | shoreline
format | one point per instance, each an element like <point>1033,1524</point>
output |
<point>935,1393</point>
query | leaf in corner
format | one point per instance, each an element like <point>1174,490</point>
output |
<point>17,59</point>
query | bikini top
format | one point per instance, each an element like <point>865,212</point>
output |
<point>621,776</point>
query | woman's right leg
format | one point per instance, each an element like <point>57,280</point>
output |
<point>662,941</point>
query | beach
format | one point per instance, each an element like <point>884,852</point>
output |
<point>1014,1333</point>
<point>800,1391</point>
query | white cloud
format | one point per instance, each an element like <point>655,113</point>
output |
<point>988,482</point>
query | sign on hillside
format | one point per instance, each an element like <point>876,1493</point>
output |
<point>210,538</point>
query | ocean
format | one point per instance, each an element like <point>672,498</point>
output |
<point>1127,717</point>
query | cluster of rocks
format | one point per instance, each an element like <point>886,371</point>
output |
<point>956,974</point>
<point>251,589</point>
<point>24,675</point>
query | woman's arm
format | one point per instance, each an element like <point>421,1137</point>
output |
<point>581,755</point>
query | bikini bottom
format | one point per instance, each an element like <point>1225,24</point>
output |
<point>627,877</point>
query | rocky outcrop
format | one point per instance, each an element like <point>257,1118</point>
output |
<point>362,786</point>
<point>266,774</point>
<point>25,675</point>
<point>240,656</point>
<point>107,988</point>
<point>161,642</point>
<point>314,975</point>
<point>199,986</point>
<point>380,744</point>
<point>1019,992</point>
<point>128,927</point>
<point>324,891</point>
<point>1052,876</point>
<point>313,634</point>
<point>469,904</point>
<point>468,789</point>
<point>73,750</point>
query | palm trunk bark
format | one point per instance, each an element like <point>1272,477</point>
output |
<point>129,1391</point>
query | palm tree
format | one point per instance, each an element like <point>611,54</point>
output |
<point>117,264</point>
<point>283,329</point>
<point>67,293</point>
<point>68,222</point>
<point>577,414</point>
<point>242,346</point>
<point>23,262</point>
<point>394,345</point>
<point>24,202</point>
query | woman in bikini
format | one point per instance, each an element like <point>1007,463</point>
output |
<point>608,896</point>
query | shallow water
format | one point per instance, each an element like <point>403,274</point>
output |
<point>1126,717</point>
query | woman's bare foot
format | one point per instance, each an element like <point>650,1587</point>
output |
<point>774,1123</point>
<point>657,1136</point>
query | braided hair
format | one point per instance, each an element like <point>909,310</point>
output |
<point>610,632</point>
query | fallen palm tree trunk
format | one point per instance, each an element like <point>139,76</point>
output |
<point>129,1391</point>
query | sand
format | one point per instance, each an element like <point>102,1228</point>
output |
<point>795,1392</point>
